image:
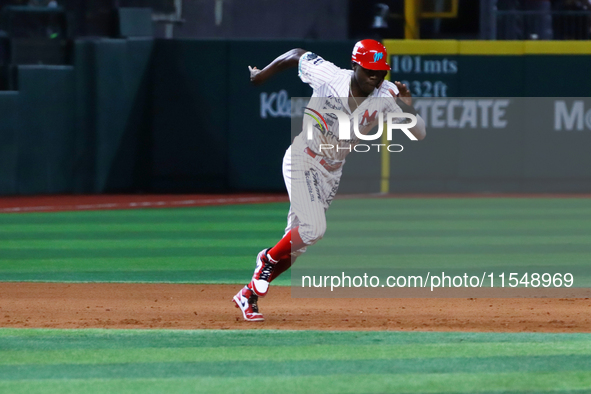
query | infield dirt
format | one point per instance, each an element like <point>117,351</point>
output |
<point>185,306</point>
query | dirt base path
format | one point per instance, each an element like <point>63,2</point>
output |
<point>116,305</point>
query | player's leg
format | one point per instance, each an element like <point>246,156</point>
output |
<point>311,190</point>
<point>282,265</point>
<point>268,259</point>
<point>247,298</point>
<point>272,262</point>
<point>330,187</point>
<point>285,262</point>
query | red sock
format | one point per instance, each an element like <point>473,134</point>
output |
<point>290,241</point>
<point>282,266</point>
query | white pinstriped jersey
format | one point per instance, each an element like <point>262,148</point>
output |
<point>331,86</point>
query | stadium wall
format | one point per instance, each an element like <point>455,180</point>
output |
<point>529,154</point>
<point>142,115</point>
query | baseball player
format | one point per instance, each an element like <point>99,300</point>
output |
<point>311,173</point>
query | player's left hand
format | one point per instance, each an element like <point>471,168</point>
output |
<point>403,93</point>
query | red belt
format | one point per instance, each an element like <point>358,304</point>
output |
<point>323,163</point>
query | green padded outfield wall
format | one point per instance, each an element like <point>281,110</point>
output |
<point>83,128</point>
<point>530,154</point>
<point>259,123</point>
<point>46,132</point>
<point>9,108</point>
<point>142,115</point>
<point>85,116</point>
<point>112,115</point>
<point>120,113</point>
<point>190,145</point>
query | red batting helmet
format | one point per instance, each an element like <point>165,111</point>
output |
<point>370,54</point>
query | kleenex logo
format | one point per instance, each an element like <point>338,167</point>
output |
<point>278,105</point>
<point>275,105</point>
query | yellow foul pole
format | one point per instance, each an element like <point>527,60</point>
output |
<point>385,170</point>
<point>411,32</point>
<point>411,19</point>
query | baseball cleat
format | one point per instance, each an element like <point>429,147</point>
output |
<point>262,274</point>
<point>246,301</point>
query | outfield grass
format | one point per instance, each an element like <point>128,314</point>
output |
<point>153,361</point>
<point>218,244</point>
<point>180,245</point>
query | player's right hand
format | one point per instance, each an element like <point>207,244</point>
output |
<point>254,75</point>
<point>403,93</point>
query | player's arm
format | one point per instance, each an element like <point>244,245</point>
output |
<point>404,101</point>
<point>288,60</point>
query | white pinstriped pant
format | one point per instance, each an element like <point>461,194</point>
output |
<point>311,189</point>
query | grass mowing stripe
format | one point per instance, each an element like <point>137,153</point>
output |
<point>457,249</point>
<point>448,232</point>
<point>179,214</point>
<point>372,227</point>
<point>237,262</point>
<point>175,234</point>
<point>468,260</point>
<point>467,203</point>
<point>164,276</point>
<point>378,211</point>
<point>449,207</point>
<point>391,241</point>
<point>370,383</point>
<point>48,254</point>
<point>245,225</point>
<point>346,250</point>
<point>183,263</point>
<point>127,244</point>
<point>559,363</point>
<point>58,339</point>
<point>291,353</point>
<point>190,232</point>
